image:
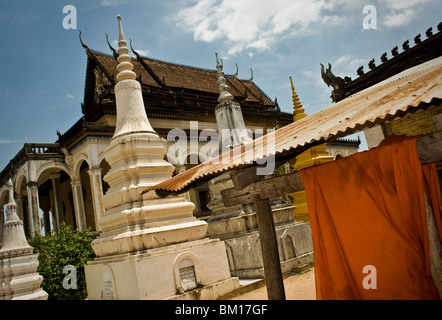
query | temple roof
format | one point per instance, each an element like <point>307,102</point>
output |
<point>174,91</point>
<point>170,91</point>
<point>388,64</point>
<point>161,74</point>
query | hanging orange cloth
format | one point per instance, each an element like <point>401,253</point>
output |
<point>368,211</point>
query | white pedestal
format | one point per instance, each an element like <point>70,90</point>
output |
<point>191,270</point>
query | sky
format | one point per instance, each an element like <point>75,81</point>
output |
<point>43,64</point>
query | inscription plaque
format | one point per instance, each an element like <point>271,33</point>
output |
<point>108,290</point>
<point>188,279</point>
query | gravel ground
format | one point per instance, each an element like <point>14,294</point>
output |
<point>297,287</point>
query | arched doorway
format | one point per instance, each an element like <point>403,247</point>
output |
<point>55,197</point>
<point>87,196</point>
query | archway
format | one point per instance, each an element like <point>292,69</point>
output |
<point>55,198</point>
<point>87,196</point>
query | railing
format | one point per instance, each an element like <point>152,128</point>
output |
<point>32,151</point>
<point>42,148</point>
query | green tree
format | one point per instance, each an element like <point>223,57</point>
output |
<point>58,250</point>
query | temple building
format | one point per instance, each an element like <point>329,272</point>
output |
<point>64,179</point>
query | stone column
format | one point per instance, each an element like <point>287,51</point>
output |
<point>20,209</point>
<point>34,208</point>
<point>97,195</point>
<point>80,215</point>
<point>58,205</point>
<point>2,222</point>
<point>45,206</point>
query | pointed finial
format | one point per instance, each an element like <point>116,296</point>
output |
<point>298,111</point>
<point>120,28</point>
<point>219,63</point>
<point>81,40</point>
<point>125,65</point>
<point>251,74</point>
<point>223,88</point>
<point>12,206</point>
<point>114,52</point>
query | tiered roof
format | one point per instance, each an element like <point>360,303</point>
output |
<point>173,91</point>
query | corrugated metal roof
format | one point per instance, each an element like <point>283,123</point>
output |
<point>408,91</point>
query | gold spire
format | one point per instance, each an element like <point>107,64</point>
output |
<point>298,111</point>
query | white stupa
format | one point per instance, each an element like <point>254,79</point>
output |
<point>19,279</point>
<point>149,248</point>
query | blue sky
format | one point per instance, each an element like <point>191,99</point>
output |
<point>43,64</point>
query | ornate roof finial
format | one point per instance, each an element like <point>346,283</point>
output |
<point>125,65</point>
<point>298,111</point>
<point>114,52</point>
<point>223,88</point>
<point>251,74</point>
<point>81,41</point>
<point>236,73</point>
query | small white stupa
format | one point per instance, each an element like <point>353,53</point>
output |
<point>231,127</point>
<point>149,248</point>
<point>19,279</point>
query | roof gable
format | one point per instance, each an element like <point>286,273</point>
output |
<point>157,73</point>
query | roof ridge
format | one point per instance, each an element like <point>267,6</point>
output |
<point>406,45</point>
<point>178,64</point>
<point>403,74</point>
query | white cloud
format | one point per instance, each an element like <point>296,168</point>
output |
<point>347,65</point>
<point>246,24</point>
<point>143,53</point>
<point>402,4</point>
<point>69,96</point>
<point>252,26</point>
<point>401,12</point>
<point>112,3</point>
<point>7,141</point>
<point>397,19</point>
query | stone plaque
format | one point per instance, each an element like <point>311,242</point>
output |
<point>108,290</point>
<point>188,279</point>
<point>108,285</point>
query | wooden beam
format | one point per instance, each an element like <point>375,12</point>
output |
<point>270,252</point>
<point>265,189</point>
<point>241,178</point>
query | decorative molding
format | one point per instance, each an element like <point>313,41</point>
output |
<point>127,84</point>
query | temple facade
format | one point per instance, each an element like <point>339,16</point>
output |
<point>63,181</point>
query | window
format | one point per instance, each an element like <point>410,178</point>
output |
<point>203,199</point>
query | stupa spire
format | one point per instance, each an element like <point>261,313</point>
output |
<point>223,88</point>
<point>298,110</point>
<point>125,65</point>
<point>12,206</point>
<point>131,113</point>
